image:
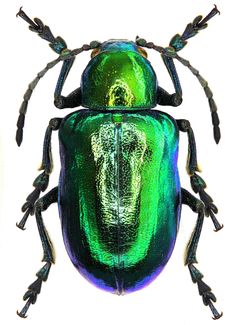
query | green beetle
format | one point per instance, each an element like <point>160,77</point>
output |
<point>119,194</point>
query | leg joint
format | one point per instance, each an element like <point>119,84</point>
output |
<point>40,205</point>
<point>200,208</point>
<point>184,125</point>
<point>54,123</point>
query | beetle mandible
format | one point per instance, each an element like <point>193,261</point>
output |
<point>119,194</point>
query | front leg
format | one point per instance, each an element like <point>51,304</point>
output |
<point>57,44</point>
<point>41,182</point>
<point>176,98</point>
<point>166,99</point>
<point>70,101</point>
<point>197,183</point>
<point>178,42</point>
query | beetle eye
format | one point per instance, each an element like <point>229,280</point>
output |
<point>142,52</point>
<point>95,52</point>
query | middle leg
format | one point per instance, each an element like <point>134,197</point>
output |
<point>41,182</point>
<point>197,183</point>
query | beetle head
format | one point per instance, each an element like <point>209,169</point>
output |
<point>119,77</point>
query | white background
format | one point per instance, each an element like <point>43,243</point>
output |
<point>67,298</point>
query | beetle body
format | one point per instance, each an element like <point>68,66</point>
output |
<point>119,195</point>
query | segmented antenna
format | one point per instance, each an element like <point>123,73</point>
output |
<point>27,96</point>
<point>177,43</point>
<point>59,46</point>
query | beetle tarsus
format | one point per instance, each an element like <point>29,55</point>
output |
<point>210,208</point>
<point>178,42</point>
<point>19,226</point>
<point>218,229</point>
<point>208,297</point>
<point>24,310</point>
<point>217,315</point>
<point>216,223</point>
<point>204,290</point>
<point>211,14</point>
<point>31,297</point>
<point>28,211</point>
<point>217,9</point>
<point>19,11</point>
<point>23,15</point>
<point>42,275</point>
<point>21,313</point>
<point>214,311</point>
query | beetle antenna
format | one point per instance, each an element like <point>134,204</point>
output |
<point>23,108</point>
<point>176,44</point>
<point>27,96</point>
<point>171,53</point>
<point>59,46</point>
<point>209,95</point>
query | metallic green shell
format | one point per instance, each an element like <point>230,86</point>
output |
<point>119,78</point>
<point>119,195</point>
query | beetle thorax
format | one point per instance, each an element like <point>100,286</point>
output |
<point>119,77</point>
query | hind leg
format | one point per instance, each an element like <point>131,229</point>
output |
<point>34,289</point>
<point>204,290</point>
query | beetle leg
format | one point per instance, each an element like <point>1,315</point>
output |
<point>164,98</point>
<point>197,183</point>
<point>59,100</point>
<point>74,98</point>
<point>56,43</point>
<point>41,181</point>
<point>178,41</point>
<point>34,289</point>
<point>170,66</point>
<point>70,101</point>
<point>204,290</point>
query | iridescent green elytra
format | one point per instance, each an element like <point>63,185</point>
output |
<point>119,195</point>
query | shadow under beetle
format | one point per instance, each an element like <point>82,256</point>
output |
<point>119,194</point>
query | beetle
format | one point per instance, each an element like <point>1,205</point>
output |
<point>119,193</point>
